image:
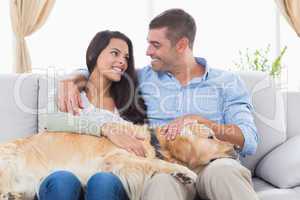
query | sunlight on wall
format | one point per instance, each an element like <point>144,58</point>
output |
<point>63,41</point>
<point>6,39</point>
<point>224,28</point>
<point>291,59</point>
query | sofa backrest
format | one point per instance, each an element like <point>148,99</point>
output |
<point>269,114</point>
<point>292,108</point>
<point>18,105</point>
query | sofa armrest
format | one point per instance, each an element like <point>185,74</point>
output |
<point>281,167</point>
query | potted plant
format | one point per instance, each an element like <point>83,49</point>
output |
<point>259,60</point>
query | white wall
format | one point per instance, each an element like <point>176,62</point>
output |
<point>6,40</point>
<point>66,35</point>
<point>224,28</point>
<point>292,58</point>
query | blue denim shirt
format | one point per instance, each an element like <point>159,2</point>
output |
<point>218,95</point>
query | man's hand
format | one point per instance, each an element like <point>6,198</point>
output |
<point>124,137</point>
<point>174,127</point>
<point>69,97</point>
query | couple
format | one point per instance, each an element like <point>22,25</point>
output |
<point>176,88</point>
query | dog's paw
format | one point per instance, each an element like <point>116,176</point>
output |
<point>11,196</point>
<point>182,178</point>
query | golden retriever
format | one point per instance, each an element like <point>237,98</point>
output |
<point>25,162</point>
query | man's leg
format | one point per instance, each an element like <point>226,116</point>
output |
<point>164,186</point>
<point>225,179</point>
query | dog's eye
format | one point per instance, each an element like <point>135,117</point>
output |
<point>210,137</point>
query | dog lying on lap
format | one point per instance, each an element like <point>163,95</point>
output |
<point>25,162</point>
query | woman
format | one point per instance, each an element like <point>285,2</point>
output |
<point>110,96</point>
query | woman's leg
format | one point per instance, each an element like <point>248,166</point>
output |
<point>106,186</point>
<point>60,185</point>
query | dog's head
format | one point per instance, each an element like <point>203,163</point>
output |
<point>196,146</point>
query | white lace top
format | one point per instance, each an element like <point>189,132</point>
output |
<point>101,116</point>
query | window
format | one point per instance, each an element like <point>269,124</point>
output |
<point>224,28</point>
<point>6,39</point>
<point>63,40</point>
<point>291,59</point>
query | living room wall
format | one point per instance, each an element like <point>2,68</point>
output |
<point>224,28</point>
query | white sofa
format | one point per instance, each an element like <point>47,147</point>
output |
<point>275,167</point>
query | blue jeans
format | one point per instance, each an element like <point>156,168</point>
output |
<point>63,185</point>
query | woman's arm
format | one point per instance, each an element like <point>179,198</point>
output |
<point>66,122</point>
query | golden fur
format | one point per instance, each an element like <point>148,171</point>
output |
<point>25,162</point>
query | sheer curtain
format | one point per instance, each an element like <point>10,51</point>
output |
<point>27,16</point>
<point>291,11</point>
<point>224,28</point>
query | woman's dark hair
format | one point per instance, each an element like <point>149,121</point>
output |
<point>125,92</point>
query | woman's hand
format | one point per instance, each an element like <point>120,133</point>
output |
<point>124,137</point>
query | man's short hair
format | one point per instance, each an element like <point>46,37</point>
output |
<point>179,24</point>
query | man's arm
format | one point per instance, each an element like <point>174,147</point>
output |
<point>238,128</point>
<point>238,111</point>
<point>69,91</point>
<point>230,133</point>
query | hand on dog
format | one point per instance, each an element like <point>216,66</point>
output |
<point>174,128</point>
<point>125,138</point>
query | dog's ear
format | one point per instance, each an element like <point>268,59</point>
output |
<point>182,149</point>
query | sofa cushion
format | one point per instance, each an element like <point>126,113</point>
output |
<point>281,167</point>
<point>47,83</point>
<point>18,105</point>
<point>292,108</point>
<point>269,115</point>
<point>266,191</point>
<point>297,189</point>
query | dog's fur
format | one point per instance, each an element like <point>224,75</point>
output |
<point>25,162</point>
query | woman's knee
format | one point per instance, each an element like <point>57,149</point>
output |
<point>104,179</point>
<point>105,185</point>
<point>60,183</point>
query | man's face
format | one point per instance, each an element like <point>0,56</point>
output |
<point>163,54</point>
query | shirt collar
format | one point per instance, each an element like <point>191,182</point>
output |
<point>199,60</point>
<point>204,77</point>
<point>203,62</point>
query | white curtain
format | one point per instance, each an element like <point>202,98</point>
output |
<point>291,11</point>
<point>27,16</point>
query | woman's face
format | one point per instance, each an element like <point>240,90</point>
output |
<point>112,62</point>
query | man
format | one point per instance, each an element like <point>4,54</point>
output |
<point>179,88</point>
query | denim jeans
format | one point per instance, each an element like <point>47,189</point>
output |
<point>63,185</point>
